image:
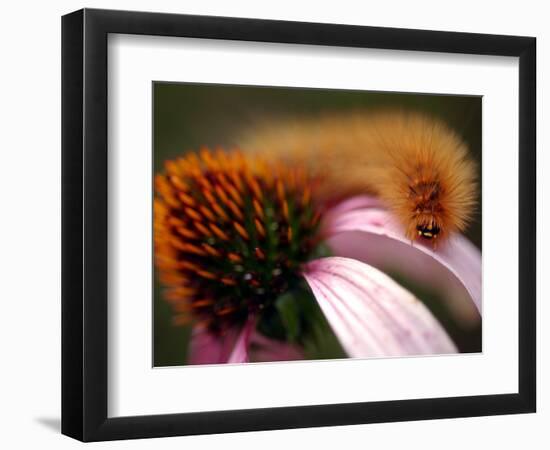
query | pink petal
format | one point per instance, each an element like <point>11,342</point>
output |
<point>372,235</point>
<point>352,203</point>
<point>239,346</point>
<point>240,351</point>
<point>207,348</point>
<point>265,349</point>
<point>371,314</point>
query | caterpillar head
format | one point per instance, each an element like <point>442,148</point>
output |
<point>428,231</point>
<point>428,215</point>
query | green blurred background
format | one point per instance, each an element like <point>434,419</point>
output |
<point>187,116</point>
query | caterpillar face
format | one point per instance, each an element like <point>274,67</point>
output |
<point>425,196</point>
<point>428,231</point>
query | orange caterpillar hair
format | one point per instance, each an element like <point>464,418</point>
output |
<point>416,164</point>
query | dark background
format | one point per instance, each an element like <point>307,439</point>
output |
<point>188,116</point>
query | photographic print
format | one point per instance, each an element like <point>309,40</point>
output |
<point>323,225</point>
<point>309,224</point>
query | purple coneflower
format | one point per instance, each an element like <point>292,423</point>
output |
<point>238,242</point>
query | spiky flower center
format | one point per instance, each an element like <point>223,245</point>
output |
<point>230,234</point>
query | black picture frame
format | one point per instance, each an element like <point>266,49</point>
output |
<point>84,224</point>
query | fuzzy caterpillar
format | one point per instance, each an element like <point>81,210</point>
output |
<point>416,164</point>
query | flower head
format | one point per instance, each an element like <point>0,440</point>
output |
<point>231,234</point>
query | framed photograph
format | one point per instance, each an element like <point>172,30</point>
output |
<point>273,224</point>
